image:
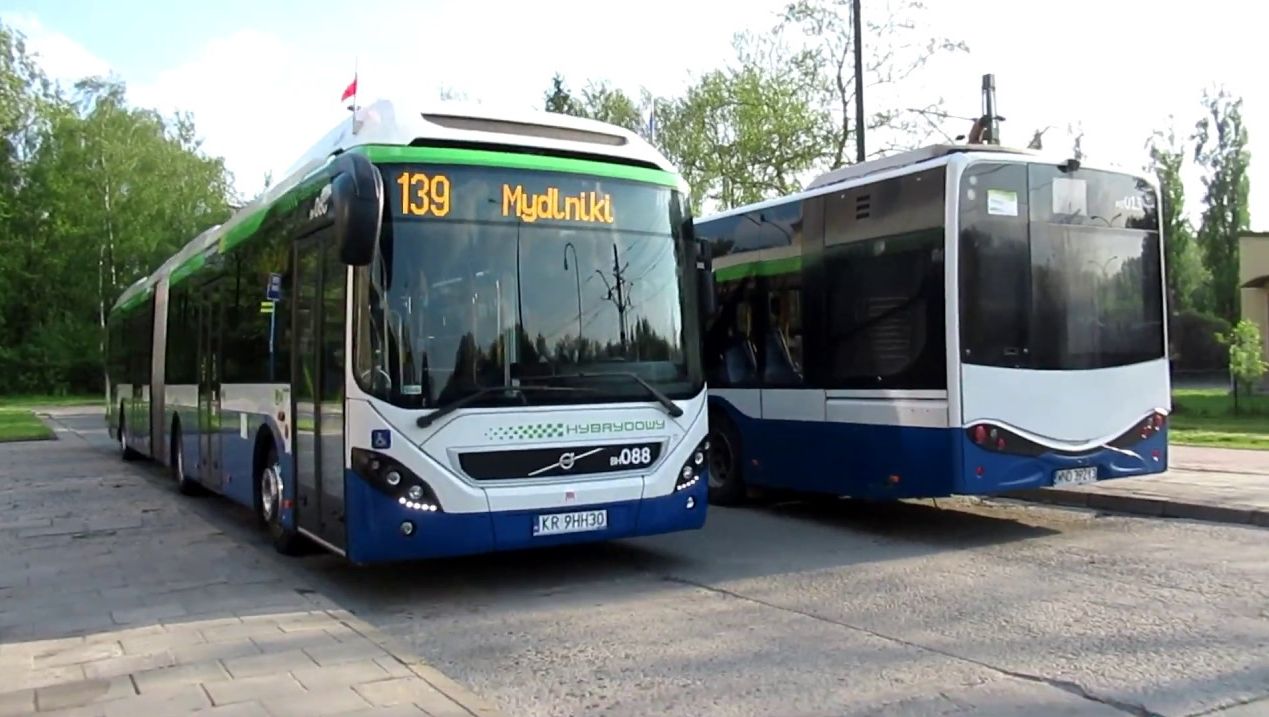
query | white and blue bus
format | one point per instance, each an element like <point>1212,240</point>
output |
<point>446,331</point>
<point>961,319</point>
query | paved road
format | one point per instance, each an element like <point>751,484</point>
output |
<point>119,599</point>
<point>830,608</point>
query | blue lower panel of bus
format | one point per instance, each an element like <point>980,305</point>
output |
<point>987,472</point>
<point>877,462</point>
<point>861,460</point>
<point>374,525</point>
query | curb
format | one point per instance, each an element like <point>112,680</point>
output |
<point>1154,507</point>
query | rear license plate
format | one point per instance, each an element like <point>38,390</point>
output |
<point>1075,476</point>
<point>579,522</point>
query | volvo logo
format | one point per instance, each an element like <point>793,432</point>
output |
<point>566,461</point>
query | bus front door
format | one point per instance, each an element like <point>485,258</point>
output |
<point>210,320</point>
<point>317,383</point>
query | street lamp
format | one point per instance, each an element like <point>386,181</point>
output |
<point>577,277</point>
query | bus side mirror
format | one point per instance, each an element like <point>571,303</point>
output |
<point>357,199</point>
<point>705,277</point>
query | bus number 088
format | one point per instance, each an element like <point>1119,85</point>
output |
<point>632,457</point>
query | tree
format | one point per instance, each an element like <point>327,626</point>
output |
<point>1186,276</point>
<point>748,132</point>
<point>1220,149</point>
<point>1077,139</point>
<point>106,192</point>
<point>895,50</point>
<point>602,102</point>
<point>558,99</point>
<point>599,101</point>
<point>1246,362</point>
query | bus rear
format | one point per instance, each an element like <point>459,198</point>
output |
<point>1062,371</point>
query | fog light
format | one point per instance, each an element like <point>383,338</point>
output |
<point>393,478</point>
<point>415,492</point>
<point>407,528</point>
<point>699,458</point>
<point>687,472</point>
<point>691,502</point>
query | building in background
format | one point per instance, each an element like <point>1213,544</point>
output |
<point>1253,280</point>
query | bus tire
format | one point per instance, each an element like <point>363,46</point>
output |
<point>184,484</point>
<point>726,477</point>
<point>269,504</point>
<point>125,452</point>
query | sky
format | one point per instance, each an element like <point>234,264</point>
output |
<point>263,79</point>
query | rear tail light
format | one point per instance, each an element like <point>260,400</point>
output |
<point>1152,425</point>
<point>1001,440</point>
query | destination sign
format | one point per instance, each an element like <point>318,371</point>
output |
<point>476,193</point>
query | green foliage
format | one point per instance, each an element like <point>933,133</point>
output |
<point>94,194</point>
<point>1186,276</point>
<point>782,110</point>
<point>1220,149</point>
<point>598,101</point>
<point>559,100</point>
<point>1195,341</point>
<point>21,425</point>
<point>1246,354</point>
<point>1207,417</point>
<point>745,133</point>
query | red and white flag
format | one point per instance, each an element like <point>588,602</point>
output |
<point>350,90</point>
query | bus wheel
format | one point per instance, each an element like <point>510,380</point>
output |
<point>726,481</point>
<point>183,482</point>
<point>269,490</point>
<point>124,451</point>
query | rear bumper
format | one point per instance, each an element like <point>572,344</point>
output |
<point>985,472</point>
<point>374,525</point>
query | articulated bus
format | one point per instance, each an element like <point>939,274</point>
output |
<point>961,319</point>
<point>446,331</point>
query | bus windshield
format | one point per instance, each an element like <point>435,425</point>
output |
<point>490,277</point>
<point>1058,270</point>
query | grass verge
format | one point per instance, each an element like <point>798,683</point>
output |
<point>39,401</point>
<point>19,424</point>
<point>1206,417</point>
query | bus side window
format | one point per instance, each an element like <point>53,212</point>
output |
<point>783,342</point>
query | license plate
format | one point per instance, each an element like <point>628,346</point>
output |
<point>579,522</point>
<point>1075,476</point>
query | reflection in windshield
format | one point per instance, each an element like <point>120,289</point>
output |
<point>461,306</point>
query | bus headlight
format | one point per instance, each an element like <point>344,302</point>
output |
<point>395,480</point>
<point>693,468</point>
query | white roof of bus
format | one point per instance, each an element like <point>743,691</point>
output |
<point>905,162</point>
<point>389,122</point>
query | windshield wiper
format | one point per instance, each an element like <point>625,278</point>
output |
<point>670,406</point>
<point>519,391</point>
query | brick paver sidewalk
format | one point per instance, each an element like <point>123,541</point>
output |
<point>1217,484</point>
<point>120,597</point>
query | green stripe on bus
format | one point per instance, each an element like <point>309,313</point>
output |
<point>244,229</point>
<point>190,266</point>
<point>512,160</point>
<point>774,267</point>
<point>136,299</point>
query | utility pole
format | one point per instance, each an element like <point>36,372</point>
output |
<point>621,298</point>
<point>860,154</point>
<point>621,304</point>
